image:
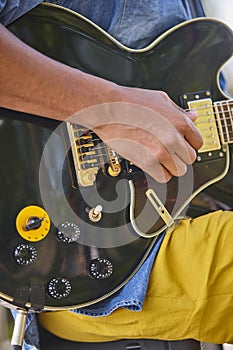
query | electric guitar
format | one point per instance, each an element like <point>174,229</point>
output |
<point>77,220</point>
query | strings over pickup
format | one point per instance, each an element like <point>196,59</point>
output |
<point>90,154</point>
<point>214,122</point>
<point>207,124</point>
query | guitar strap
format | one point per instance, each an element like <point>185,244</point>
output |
<point>21,296</point>
<point>37,296</point>
<point>34,294</point>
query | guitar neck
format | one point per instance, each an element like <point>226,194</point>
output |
<point>224,115</point>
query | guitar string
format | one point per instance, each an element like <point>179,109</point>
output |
<point>223,115</point>
<point>220,113</point>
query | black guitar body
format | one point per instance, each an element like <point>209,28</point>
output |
<point>80,261</point>
<point>93,258</point>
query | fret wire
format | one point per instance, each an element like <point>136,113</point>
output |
<point>223,132</point>
<point>215,119</point>
<point>229,111</point>
<point>220,113</point>
<point>223,113</point>
<point>212,105</point>
<point>225,124</point>
<point>227,119</point>
<point>214,113</point>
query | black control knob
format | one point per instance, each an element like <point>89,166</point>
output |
<point>68,232</point>
<point>33,223</point>
<point>59,288</point>
<point>25,254</point>
<point>101,268</point>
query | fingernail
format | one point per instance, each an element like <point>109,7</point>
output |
<point>194,112</point>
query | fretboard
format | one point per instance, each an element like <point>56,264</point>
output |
<point>224,116</point>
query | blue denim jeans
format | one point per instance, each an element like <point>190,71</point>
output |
<point>134,26</point>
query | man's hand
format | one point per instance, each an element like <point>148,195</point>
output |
<point>156,135</point>
<point>143,126</point>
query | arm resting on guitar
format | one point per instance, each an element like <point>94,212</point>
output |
<point>33,83</point>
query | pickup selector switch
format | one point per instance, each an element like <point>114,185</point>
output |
<point>25,254</point>
<point>101,268</point>
<point>59,288</point>
<point>68,232</point>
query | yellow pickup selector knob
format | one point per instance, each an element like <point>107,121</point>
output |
<point>33,223</point>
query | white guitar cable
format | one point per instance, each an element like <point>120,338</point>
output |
<point>19,330</point>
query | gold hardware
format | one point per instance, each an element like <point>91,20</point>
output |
<point>88,157</point>
<point>206,124</point>
<point>95,214</point>
<point>114,168</point>
<point>85,170</point>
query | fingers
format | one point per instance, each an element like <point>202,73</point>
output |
<point>144,158</point>
<point>157,160</point>
<point>193,136</point>
<point>162,140</point>
<point>192,114</point>
<point>172,162</point>
<point>185,121</point>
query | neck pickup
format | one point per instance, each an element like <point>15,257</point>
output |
<point>214,121</point>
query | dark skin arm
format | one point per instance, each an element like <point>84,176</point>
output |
<point>163,136</point>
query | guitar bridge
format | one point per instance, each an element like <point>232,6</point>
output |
<point>89,154</point>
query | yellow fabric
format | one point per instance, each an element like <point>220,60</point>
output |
<point>190,293</point>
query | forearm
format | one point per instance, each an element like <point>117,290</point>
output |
<point>147,129</point>
<point>34,83</point>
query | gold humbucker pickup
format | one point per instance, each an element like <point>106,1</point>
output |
<point>206,124</point>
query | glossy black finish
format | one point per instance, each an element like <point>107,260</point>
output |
<point>29,178</point>
<point>185,60</point>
